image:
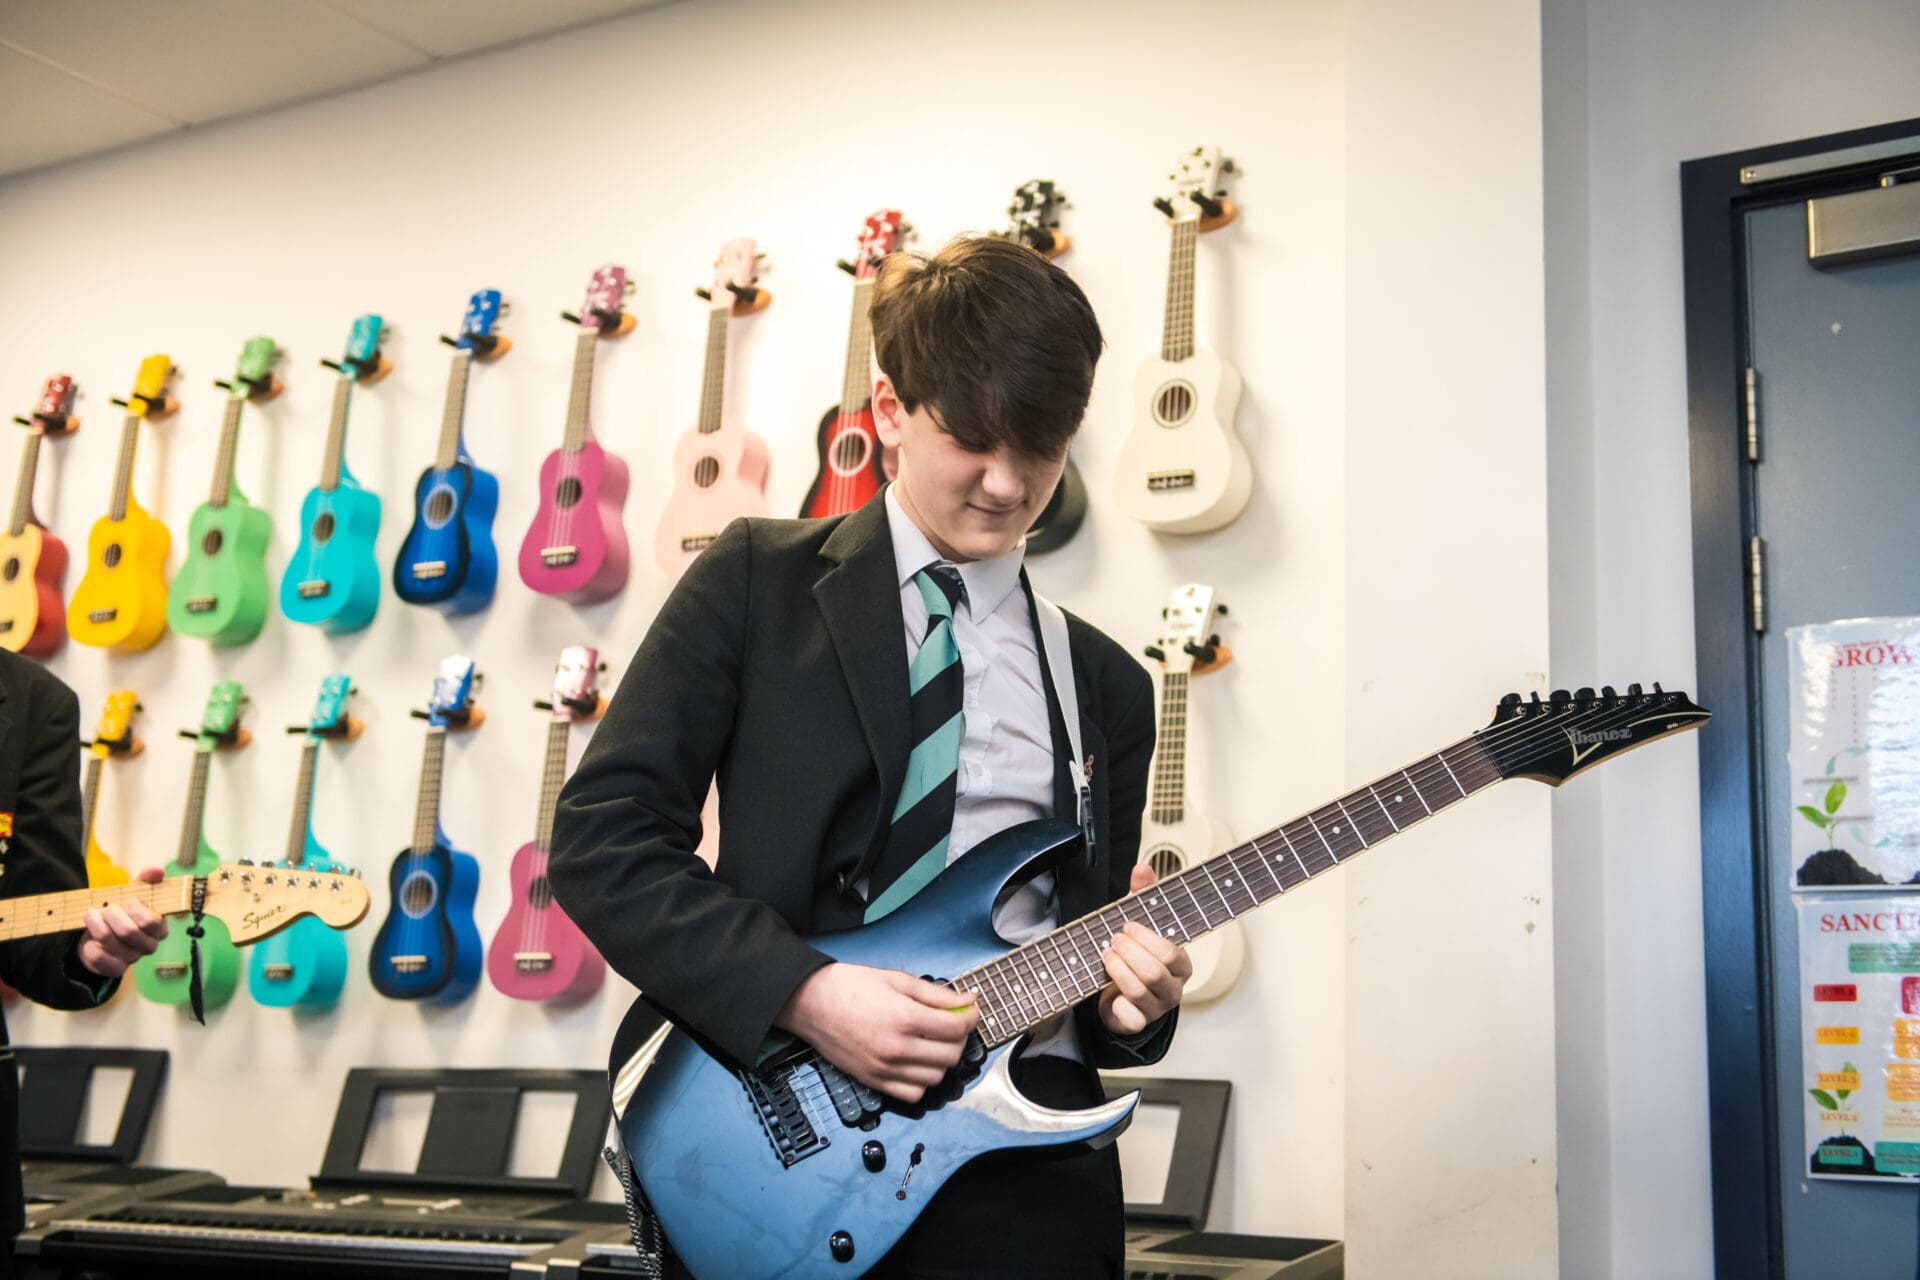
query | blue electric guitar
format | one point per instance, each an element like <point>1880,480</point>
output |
<point>790,1167</point>
<point>448,560</point>
<point>333,579</point>
<point>306,963</point>
<point>429,946</point>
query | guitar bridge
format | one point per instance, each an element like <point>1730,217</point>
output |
<point>697,541</point>
<point>559,557</point>
<point>532,961</point>
<point>1158,481</point>
<point>424,569</point>
<point>782,1118</point>
<point>102,615</point>
<point>408,964</point>
<point>170,970</point>
<point>277,972</point>
<point>314,589</point>
<point>202,604</point>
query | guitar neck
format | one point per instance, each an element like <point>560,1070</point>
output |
<point>426,814</point>
<point>90,799</point>
<point>855,386</point>
<point>23,487</point>
<point>552,778</point>
<point>1176,333</point>
<point>222,491</point>
<point>1168,801</point>
<point>1029,985</point>
<point>43,913</point>
<point>303,803</point>
<point>123,470</point>
<point>580,398</point>
<point>190,825</point>
<point>334,463</point>
<point>713,383</point>
<point>456,410</point>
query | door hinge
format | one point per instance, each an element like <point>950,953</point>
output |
<point>1753,414</point>
<point>1757,578</point>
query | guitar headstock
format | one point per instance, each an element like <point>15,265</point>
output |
<point>1195,192</point>
<point>576,680</point>
<point>329,718</point>
<point>362,361</point>
<point>451,705</point>
<point>881,234</point>
<point>1186,643</point>
<point>113,734</point>
<point>253,373</point>
<point>1551,740</point>
<point>1035,217</point>
<point>220,718</point>
<point>736,273</point>
<point>53,411</point>
<point>152,397</point>
<point>256,902</point>
<point>604,308</point>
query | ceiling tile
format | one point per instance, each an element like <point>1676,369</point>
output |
<point>50,116</point>
<point>445,28</point>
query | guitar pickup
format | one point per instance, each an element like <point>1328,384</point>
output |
<point>424,569</point>
<point>559,557</point>
<point>408,964</point>
<point>277,972</point>
<point>202,604</point>
<point>697,541</point>
<point>532,961</point>
<point>102,615</point>
<point>173,970</point>
<point>1157,481</point>
<point>313,590</point>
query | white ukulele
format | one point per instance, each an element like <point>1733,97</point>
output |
<point>1183,469</point>
<point>1174,835</point>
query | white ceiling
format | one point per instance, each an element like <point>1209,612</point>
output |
<point>80,76</point>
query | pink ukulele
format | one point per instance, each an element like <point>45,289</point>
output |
<point>719,470</point>
<point>538,953</point>
<point>577,547</point>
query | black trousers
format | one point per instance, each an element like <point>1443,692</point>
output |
<point>1015,1215</point>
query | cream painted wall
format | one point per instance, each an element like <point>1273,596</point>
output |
<point>649,140</point>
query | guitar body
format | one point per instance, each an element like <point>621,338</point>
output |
<point>33,618</point>
<point>332,580</point>
<point>1170,848</point>
<point>729,1204</point>
<point>221,592</point>
<point>582,493</point>
<point>850,471</point>
<point>736,459</point>
<point>448,560</point>
<point>1182,469</point>
<point>535,923</point>
<point>430,923</point>
<point>304,963</point>
<point>1060,519</point>
<point>164,976</point>
<point>121,602</point>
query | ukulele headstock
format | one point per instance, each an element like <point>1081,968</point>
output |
<point>113,733</point>
<point>604,310</point>
<point>152,395</point>
<point>881,234</point>
<point>484,310</point>
<point>1187,643</point>
<point>451,706</point>
<point>736,275</point>
<point>53,411</point>
<point>363,360</point>
<point>330,718</point>
<point>1034,217</point>
<point>576,681</point>
<point>253,373</point>
<point>1195,193</point>
<point>220,718</point>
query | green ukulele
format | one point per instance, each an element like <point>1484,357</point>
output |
<point>164,976</point>
<point>221,592</point>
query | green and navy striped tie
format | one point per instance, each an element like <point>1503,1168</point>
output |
<point>923,816</point>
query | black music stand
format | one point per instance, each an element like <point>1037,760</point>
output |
<point>53,1095</point>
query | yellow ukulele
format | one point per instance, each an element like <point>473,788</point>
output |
<point>121,602</point>
<point>112,737</point>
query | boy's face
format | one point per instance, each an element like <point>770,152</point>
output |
<point>971,506</point>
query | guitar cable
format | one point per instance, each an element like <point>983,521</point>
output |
<point>647,1242</point>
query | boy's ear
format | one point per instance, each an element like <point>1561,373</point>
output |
<point>886,410</point>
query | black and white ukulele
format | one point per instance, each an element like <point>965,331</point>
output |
<point>1175,835</point>
<point>1182,469</point>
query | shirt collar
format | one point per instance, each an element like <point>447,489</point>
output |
<point>989,582</point>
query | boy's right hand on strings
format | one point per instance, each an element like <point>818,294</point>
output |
<point>890,1030</point>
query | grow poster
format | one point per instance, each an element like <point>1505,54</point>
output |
<point>1854,754</point>
<point>1860,1034</point>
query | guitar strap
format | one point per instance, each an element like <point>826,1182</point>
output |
<point>1059,663</point>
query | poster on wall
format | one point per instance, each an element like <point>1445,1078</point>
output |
<point>1854,753</point>
<point>1860,1034</point>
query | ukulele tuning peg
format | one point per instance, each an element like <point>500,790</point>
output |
<point>846,266</point>
<point>296,728</point>
<point>601,667</point>
<point>1220,609</point>
<point>418,714</point>
<point>705,295</point>
<point>570,317</point>
<point>506,309</point>
<point>224,385</point>
<point>1155,652</point>
<point>25,422</point>
<point>541,704</point>
<point>1164,205</point>
<point>452,342</point>
<point>188,733</point>
<point>1226,166</point>
<point>118,402</point>
<point>626,290</point>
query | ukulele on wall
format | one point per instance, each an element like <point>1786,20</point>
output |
<point>165,976</point>
<point>719,467</point>
<point>448,560</point>
<point>577,546</point>
<point>1035,222</point>
<point>221,592</point>
<point>306,964</point>
<point>538,953</point>
<point>1173,835</point>
<point>851,471</point>
<point>121,602</point>
<point>112,739</point>
<point>33,562</point>
<point>428,948</point>
<point>332,580</point>
<point>1182,469</point>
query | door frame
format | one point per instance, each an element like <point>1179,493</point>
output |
<point>1737,899</point>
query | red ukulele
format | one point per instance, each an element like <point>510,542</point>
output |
<point>850,470</point>
<point>33,563</point>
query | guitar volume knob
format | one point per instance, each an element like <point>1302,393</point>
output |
<point>840,1245</point>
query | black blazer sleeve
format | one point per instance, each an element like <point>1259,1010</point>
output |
<point>43,854</point>
<point>628,822</point>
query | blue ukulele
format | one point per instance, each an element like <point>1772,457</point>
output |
<point>306,963</point>
<point>333,578</point>
<point>448,560</point>
<point>429,947</point>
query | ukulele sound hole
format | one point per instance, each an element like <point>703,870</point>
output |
<point>323,526</point>
<point>850,452</point>
<point>1166,862</point>
<point>439,506</point>
<point>540,894</point>
<point>1174,404</point>
<point>706,471</point>
<point>417,895</point>
<point>111,556</point>
<point>12,570</point>
<point>210,542</point>
<point>567,492</point>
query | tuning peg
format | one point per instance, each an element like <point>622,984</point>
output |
<point>1656,688</point>
<point>1633,691</point>
<point>570,317</point>
<point>1559,696</point>
<point>1164,205</point>
<point>25,422</point>
<point>325,363</point>
<point>1606,691</point>
<point>188,733</point>
<point>1155,652</point>
<point>626,289</point>
<point>743,293</point>
<point>705,295</point>
<point>847,267</point>
<point>418,714</point>
<point>451,342</point>
<point>1509,702</point>
<point>118,403</point>
<point>1226,166</point>
<point>1208,205</point>
<point>541,704</point>
<point>1213,641</point>
<point>224,385</point>
<point>601,667</point>
<point>296,728</point>
<point>1583,695</point>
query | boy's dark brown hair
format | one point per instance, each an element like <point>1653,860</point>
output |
<point>998,342</point>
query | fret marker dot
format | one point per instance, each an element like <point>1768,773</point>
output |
<point>1398,799</point>
<point>1336,831</point>
<point>1229,882</point>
